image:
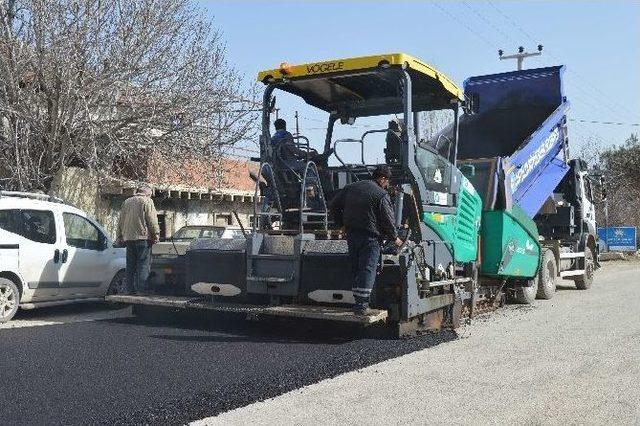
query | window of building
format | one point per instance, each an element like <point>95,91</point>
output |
<point>223,219</point>
<point>162,224</point>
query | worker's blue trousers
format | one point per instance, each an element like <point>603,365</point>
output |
<point>138,265</point>
<point>364,253</point>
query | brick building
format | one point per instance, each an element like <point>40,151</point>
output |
<point>185,192</point>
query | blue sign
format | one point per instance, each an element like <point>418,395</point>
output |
<point>619,238</point>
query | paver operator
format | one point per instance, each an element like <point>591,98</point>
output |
<point>138,229</point>
<point>364,210</point>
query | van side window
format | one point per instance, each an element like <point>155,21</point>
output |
<point>38,226</point>
<point>81,233</point>
<point>35,225</point>
<point>9,220</point>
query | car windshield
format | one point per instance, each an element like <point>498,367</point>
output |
<point>191,233</point>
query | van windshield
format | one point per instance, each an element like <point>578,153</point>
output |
<point>191,233</point>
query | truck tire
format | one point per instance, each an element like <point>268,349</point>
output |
<point>547,276</point>
<point>9,299</point>
<point>584,281</point>
<point>526,295</point>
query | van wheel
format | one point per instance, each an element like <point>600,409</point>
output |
<point>547,276</point>
<point>584,281</point>
<point>9,299</point>
<point>118,284</point>
<point>526,295</point>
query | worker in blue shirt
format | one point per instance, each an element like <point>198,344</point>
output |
<point>284,144</point>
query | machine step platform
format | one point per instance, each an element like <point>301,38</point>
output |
<point>326,313</point>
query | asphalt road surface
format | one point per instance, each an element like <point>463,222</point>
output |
<point>133,371</point>
<point>573,359</point>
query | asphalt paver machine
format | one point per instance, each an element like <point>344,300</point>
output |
<point>294,262</point>
<point>295,259</point>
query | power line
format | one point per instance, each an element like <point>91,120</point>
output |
<point>604,96</point>
<point>488,22</point>
<point>239,148</point>
<point>613,123</point>
<point>461,22</point>
<point>512,22</point>
<point>587,97</point>
<point>598,104</point>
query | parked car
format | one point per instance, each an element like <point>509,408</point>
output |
<point>167,257</point>
<point>52,253</point>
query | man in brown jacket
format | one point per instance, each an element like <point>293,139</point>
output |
<point>138,229</point>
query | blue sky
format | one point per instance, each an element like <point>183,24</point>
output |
<point>598,41</point>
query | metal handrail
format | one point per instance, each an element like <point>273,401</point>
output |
<point>303,202</point>
<point>347,140</point>
<point>299,145</point>
<point>360,141</point>
<point>257,217</point>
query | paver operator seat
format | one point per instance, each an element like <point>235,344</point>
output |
<point>294,166</point>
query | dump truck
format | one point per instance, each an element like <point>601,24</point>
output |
<point>515,151</point>
<point>472,228</point>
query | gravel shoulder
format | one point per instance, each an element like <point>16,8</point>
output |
<point>571,360</point>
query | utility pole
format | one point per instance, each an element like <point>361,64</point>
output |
<point>520,56</point>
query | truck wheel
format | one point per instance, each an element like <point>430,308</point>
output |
<point>547,276</point>
<point>9,299</point>
<point>584,282</point>
<point>526,295</point>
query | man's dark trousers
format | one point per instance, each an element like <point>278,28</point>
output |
<point>138,265</point>
<point>364,253</point>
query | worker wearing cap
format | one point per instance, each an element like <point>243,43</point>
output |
<point>138,229</point>
<point>283,142</point>
<point>364,209</point>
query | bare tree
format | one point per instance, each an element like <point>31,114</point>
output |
<point>590,150</point>
<point>621,165</point>
<point>97,83</point>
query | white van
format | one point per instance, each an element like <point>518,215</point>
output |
<point>52,254</point>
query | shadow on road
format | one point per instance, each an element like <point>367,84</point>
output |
<point>53,312</point>
<point>231,327</point>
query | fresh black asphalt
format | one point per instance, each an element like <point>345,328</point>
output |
<point>171,371</point>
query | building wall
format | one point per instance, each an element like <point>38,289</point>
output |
<point>82,188</point>
<point>179,213</point>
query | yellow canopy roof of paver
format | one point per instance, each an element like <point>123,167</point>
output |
<point>356,86</point>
